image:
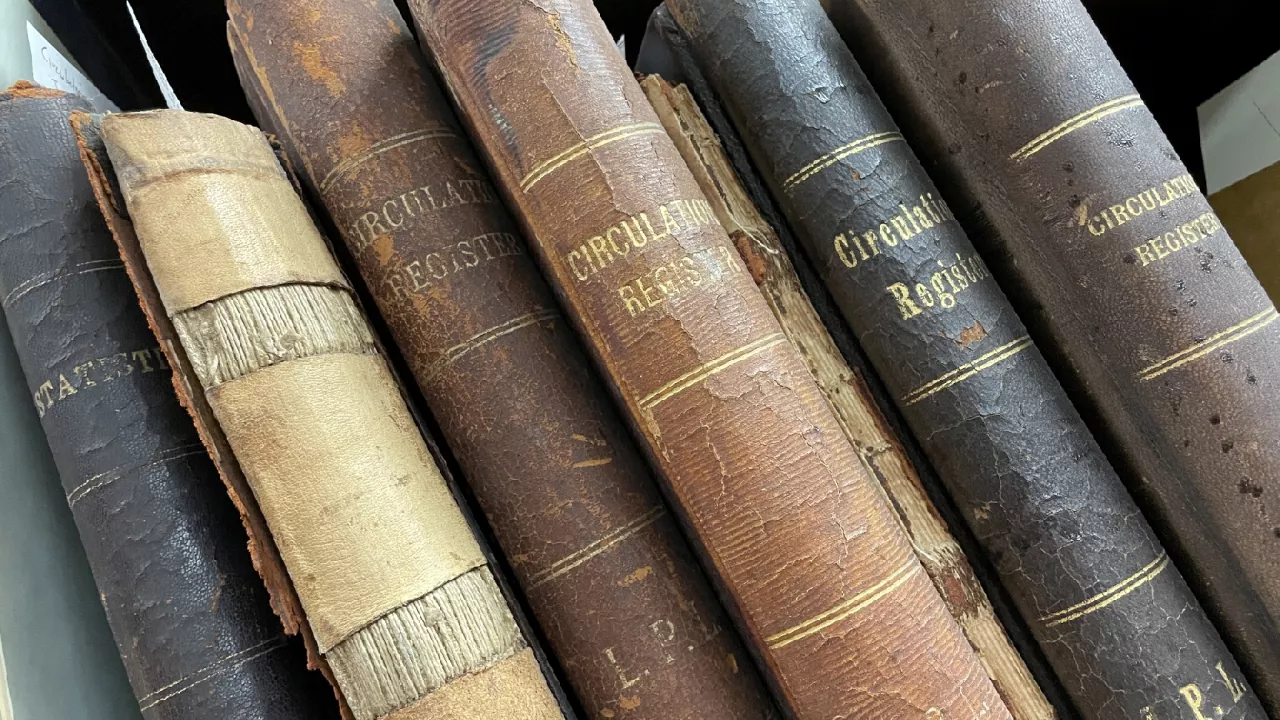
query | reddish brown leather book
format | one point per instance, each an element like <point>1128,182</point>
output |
<point>822,579</point>
<point>608,576</point>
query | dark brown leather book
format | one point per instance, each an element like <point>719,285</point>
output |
<point>397,593</point>
<point>821,578</point>
<point>1117,623</point>
<point>1119,267</point>
<point>607,574</point>
<point>845,389</point>
<point>165,544</point>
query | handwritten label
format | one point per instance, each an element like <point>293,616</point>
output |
<point>52,70</point>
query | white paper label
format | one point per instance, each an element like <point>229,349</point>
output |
<point>50,69</point>
<point>170,97</point>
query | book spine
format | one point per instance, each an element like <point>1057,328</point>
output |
<point>189,613</point>
<point>607,574</point>
<point>821,578</point>
<point>394,584</point>
<point>1152,316</point>
<point>844,389</point>
<point>1111,614</point>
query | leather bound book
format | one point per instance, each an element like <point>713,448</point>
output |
<point>395,588</point>
<point>607,574</point>
<point>1115,620</point>
<point>1120,268</point>
<point>849,396</point>
<point>189,613</point>
<point>821,579</point>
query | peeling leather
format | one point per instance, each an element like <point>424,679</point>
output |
<point>635,625</point>
<point>1005,439</point>
<point>166,546</point>
<point>975,83</point>
<point>821,578</point>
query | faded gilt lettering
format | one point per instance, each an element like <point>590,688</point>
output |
<point>86,376</point>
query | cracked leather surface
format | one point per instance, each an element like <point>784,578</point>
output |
<point>609,578</point>
<point>1129,283</point>
<point>1123,634</point>
<point>819,574</point>
<point>189,613</point>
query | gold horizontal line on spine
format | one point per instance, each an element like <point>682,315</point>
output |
<point>598,140</point>
<point>846,609</point>
<point>1084,119</point>
<point>380,147</point>
<point>599,547</point>
<point>968,370</point>
<point>706,370</point>
<point>103,479</point>
<point>1240,330</point>
<point>484,337</point>
<point>1110,595</point>
<point>48,277</point>
<point>226,664</point>
<point>837,155</point>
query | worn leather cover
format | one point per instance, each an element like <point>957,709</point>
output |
<point>1250,210</point>
<point>1115,620</point>
<point>846,391</point>
<point>305,333</point>
<point>608,576</point>
<point>189,613</point>
<point>1066,182</point>
<point>822,580</point>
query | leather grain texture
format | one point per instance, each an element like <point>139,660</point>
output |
<point>1120,268</point>
<point>368,461</point>
<point>607,574</point>
<point>189,614</point>
<point>822,580</point>
<point>312,338</point>
<point>860,419</point>
<point>1118,624</point>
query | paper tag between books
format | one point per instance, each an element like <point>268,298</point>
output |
<point>52,69</point>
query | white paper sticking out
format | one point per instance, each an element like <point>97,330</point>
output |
<point>51,69</point>
<point>621,43</point>
<point>170,97</point>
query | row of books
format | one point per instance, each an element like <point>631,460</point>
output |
<point>773,400</point>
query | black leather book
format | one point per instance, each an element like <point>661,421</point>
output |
<point>1112,615</point>
<point>190,615</point>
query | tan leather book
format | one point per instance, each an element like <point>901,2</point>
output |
<point>397,594</point>
<point>607,575</point>
<point>821,578</point>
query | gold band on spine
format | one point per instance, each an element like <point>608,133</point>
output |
<point>1240,330</point>
<point>363,519</point>
<point>706,370</point>
<point>968,370</point>
<point>380,147</point>
<point>599,547</point>
<point>1084,119</point>
<point>837,155</point>
<point>1110,595</point>
<point>598,140</point>
<point>846,609</point>
<point>484,337</point>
